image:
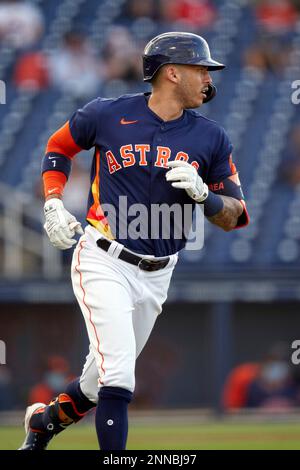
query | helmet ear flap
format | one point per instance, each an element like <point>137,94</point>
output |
<point>210,93</point>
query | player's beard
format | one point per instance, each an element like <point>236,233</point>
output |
<point>190,97</point>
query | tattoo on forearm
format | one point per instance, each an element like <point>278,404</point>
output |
<point>227,218</point>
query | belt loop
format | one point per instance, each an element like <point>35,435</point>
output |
<point>111,250</point>
<point>118,249</point>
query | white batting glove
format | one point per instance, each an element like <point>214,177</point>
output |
<point>60,225</point>
<point>185,176</point>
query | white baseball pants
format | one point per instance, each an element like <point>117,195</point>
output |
<point>120,304</point>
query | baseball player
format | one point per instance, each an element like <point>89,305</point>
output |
<point>150,148</point>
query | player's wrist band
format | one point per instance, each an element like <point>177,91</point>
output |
<point>212,204</point>
<point>56,162</point>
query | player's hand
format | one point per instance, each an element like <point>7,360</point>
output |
<point>184,176</point>
<point>60,225</point>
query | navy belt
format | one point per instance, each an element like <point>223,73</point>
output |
<point>146,264</point>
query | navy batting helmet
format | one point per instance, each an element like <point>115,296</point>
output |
<point>177,48</point>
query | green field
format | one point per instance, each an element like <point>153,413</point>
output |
<point>204,436</point>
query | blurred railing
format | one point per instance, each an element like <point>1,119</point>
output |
<point>25,249</point>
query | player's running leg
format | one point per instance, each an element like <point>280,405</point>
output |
<point>105,298</point>
<point>154,287</point>
<point>43,422</point>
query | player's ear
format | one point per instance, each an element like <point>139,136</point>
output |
<point>172,73</point>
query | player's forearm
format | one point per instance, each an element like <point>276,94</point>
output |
<point>54,183</point>
<point>57,161</point>
<point>227,218</point>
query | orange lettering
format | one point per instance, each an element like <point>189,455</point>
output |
<point>126,153</point>
<point>182,156</point>
<point>163,155</point>
<point>142,148</point>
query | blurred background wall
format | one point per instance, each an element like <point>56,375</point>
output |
<point>235,302</point>
<point>184,365</point>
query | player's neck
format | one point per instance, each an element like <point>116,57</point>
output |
<point>164,106</point>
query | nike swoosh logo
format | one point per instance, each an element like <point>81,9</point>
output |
<point>123,121</point>
<point>50,158</point>
<point>50,191</point>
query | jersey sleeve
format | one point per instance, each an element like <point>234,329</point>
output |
<point>75,135</point>
<point>84,123</point>
<point>223,177</point>
<point>220,166</point>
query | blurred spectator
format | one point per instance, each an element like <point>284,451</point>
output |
<point>31,71</point>
<point>276,16</point>
<point>268,385</point>
<point>197,15</point>
<point>21,23</point>
<point>7,397</point>
<point>275,24</point>
<point>268,55</point>
<point>291,168</point>
<point>121,56</point>
<point>236,387</point>
<point>74,67</point>
<point>141,18</point>
<point>135,9</point>
<point>54,380</point>
<point>274,388</point>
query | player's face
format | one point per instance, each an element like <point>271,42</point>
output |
<point>193,81</point>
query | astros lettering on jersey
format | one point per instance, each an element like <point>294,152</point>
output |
<point>141,143</point>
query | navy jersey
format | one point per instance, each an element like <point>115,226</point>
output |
<point>132,148</point>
